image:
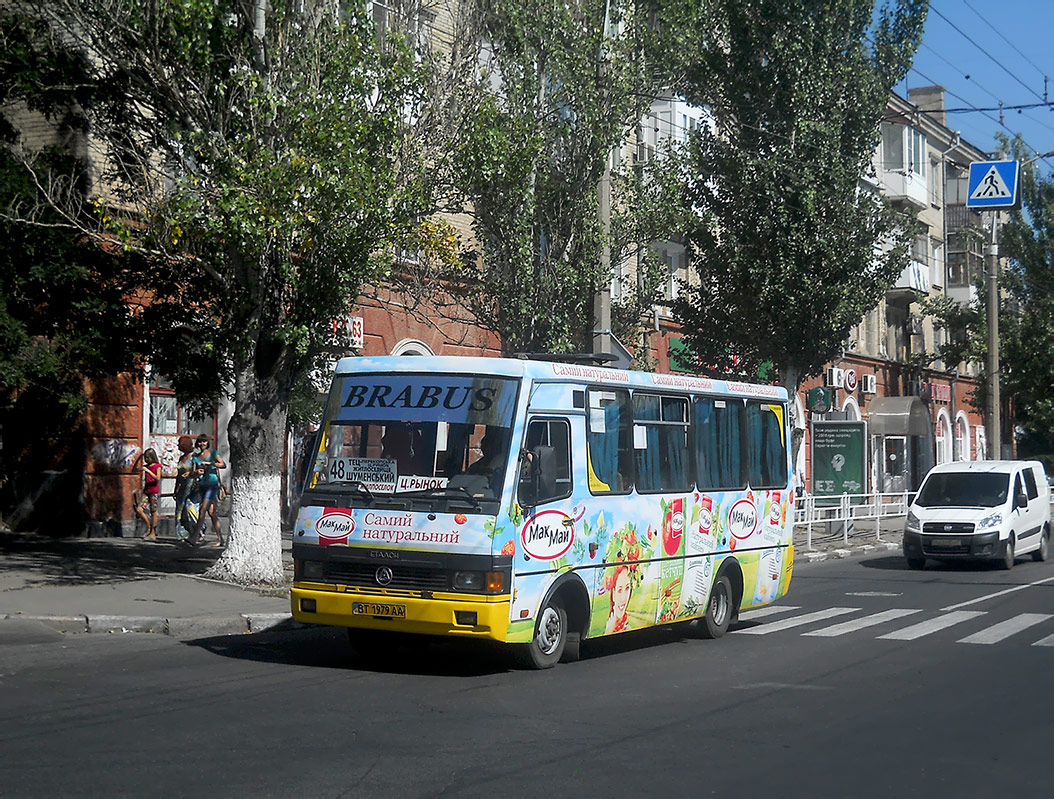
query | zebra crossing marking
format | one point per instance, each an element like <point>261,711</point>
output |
<point>768,610</point>
<point>864,621</point>
<point>1004,629</point>
<point>933,625</point>
<point>1048,641</point>
<point>797,621</point>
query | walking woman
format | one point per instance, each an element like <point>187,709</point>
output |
<point>147,507</point>
<point>207,463</point>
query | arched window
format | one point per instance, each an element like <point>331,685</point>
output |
<point>943,437</point>
<point>962,437</point>
<point>411,346</point>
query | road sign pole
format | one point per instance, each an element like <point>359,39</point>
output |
<point>992,267</point>
<point>993,185</point>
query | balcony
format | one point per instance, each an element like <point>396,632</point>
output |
<point>914,280</point>
<point>905,186</point>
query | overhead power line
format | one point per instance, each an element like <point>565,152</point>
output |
<point>984,50</point>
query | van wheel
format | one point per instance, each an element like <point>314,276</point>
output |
<point>1008,555</point>
<point>718,609</point>
<point>1040,554</point>
<point>550,638</point>
<point>916,564</point>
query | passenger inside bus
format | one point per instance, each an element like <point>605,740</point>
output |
<point>494,452</point>
<point>402,445</point>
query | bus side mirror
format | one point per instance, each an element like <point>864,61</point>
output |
<point>537,475</point>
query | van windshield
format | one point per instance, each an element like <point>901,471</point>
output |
<point>964,489</point>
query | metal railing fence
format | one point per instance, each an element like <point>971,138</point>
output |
<point>847,515</point>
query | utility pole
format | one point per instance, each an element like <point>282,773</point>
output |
<point>602,298</point>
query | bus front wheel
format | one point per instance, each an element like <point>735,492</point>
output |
<point>550,638</point>
<point>718,609</point>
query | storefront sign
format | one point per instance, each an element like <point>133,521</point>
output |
<point>940,392</point>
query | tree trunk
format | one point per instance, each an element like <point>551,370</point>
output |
<point>790,379</point>
<point>257,438</point>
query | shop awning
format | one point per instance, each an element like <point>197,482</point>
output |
<point>898,416</point>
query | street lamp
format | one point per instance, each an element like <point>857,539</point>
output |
<point>992,269</point>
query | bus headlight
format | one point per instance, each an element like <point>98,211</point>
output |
<point>468,581</point>
<point>312,570</point>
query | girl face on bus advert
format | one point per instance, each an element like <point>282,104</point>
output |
<point>620,595</point>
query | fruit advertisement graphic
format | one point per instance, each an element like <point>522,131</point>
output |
<point>671,569</point>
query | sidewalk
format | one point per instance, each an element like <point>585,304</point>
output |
<point>116,585</point>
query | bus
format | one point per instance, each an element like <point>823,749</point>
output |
<point>540,503</point>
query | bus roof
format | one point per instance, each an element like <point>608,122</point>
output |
<point>555,371</point>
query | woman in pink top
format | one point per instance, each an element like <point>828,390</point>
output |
<point>151,492</point>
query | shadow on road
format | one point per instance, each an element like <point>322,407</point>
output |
<point>328,648</point>
<point>899,563</point>
<point>42,560</point>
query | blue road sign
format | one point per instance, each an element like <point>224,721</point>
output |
<point>993,184</point>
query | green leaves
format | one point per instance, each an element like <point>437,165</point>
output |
<point>784,232</point>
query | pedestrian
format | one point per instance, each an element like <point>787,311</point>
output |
<point>186,482</point>
<point>146,508</point>
<point>207,463</point>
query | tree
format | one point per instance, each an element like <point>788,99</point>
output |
<point>64,313</point>
<point>785,232</point>
<point>260,154</point>
<point>560,85</point>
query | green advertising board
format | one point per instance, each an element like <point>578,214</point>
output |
<point>839,458</point>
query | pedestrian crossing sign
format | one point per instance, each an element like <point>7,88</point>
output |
<point>993,184</point>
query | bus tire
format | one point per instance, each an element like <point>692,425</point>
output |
<point>718,609</point>
<point>550,638</point>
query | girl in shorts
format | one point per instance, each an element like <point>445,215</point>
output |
<point>147,507</point>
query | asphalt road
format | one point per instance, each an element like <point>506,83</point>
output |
<point>825,707</point>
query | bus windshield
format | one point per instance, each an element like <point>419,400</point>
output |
<point>419,436</point>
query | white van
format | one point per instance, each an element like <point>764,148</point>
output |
<point>984,510</point>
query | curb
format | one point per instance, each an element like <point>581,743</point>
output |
<point>813,556</point>
<point>192,627</point>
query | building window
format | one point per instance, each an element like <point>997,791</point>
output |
<point>169,418</point>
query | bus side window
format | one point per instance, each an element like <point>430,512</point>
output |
<point>555,433</point>
<point>610,442</point>
<point>766,445</point>
<point>719,458</point>
<point>662,461</point>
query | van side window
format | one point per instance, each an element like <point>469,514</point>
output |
<point>1030,483</point>
<point>555,433</point>
<point>661,442</point>
<point>766,445</point>
<point>718,428</point>
<point>610,441</point>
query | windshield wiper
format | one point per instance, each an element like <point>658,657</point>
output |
<point>455,492</point>
<point>354,485</point>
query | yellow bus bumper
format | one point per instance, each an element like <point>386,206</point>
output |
<point>435,616</point>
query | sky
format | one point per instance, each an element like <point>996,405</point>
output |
<point>987,52</point>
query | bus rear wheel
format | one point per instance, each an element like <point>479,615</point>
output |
<point>550,637</point>
<point>718,610</point>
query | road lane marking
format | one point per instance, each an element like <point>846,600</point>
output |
<point>1003,630</point>
<point>998,593</point>
<point>866,621</point>
<point>933,625</point>
<point>769,610</point>
<point>1048,641</point>
<point>796,621</point>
